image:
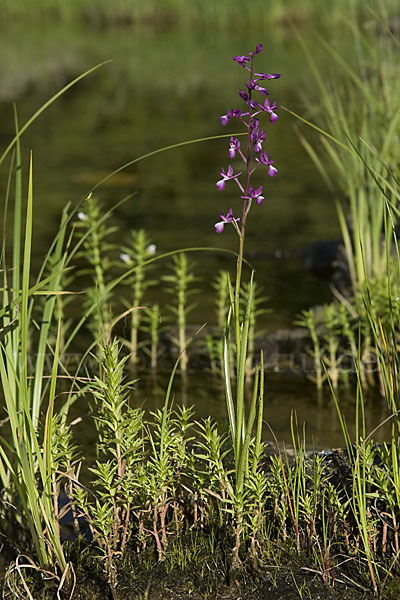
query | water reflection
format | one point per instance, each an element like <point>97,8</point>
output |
<point>285,398</point>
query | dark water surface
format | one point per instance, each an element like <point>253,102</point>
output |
<point>162,87</point>
<point>286,401</point>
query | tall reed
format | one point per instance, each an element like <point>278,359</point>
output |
<point>359,111</point>
<point>26,455</point>
<point>373,466</point>
<point>27,463</point>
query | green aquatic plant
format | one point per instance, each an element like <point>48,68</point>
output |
<point>308,319</point>
<point>213,350</point>
<point>151,326</point>
<point>179,285</point>
<point>135,255</point>
<point>221,288</point>
<point>212,450</point>
<point>349,326</point>
<point>167,466</point>
<point>332,341</point>
<point>94,232</point>
<point>257,491</point>
<point>214,340</point>
<point>120,431</point>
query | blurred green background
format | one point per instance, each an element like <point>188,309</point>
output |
<point>170,79</point>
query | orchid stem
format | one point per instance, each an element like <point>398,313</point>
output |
<point>237,291</point>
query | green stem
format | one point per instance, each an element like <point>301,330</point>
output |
<point>239,266</point>
<point>242,230</point>
<point>182,327</point>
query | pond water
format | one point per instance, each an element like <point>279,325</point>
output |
<point>165,86</point>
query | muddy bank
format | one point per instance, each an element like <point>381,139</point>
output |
<point>204,578</point>
<point>199,563</point>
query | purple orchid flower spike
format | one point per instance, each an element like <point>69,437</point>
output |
<point>256,194</point>
<point>234,146</point>
<point>268,162</point>
<point>257,109</point>
<point>228,218</point>
<point>226,177</point>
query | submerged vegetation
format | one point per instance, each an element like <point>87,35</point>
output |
<point>163,493</point>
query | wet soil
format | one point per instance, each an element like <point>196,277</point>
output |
<point>289,585</point>
<point>196,568</point>
<point>284,582</point>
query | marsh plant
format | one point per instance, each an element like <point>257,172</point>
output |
<point>135,255</point>
<point>256,309</point>
<point>342,339</point>
<point>360,116</point>
<point>214,341</point>
<point>246,449</point>
<point>94,231</point>
<point>152,327</point>
<point>359,131</point>
<point>120,450</point>
<point>179,285</point>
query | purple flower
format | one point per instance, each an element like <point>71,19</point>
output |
<point>272,171</point>
<point>256,194</point>
<point>226,177</point>
<point>241,60</point>
<point>230,115</point>
<point>252,85</point>
<point>269,108</point>
<point>257,136</point>
<point>258,50</point>
<point>264,160</point>
<point>253,128</point>
<point>255,105</point>
<point>259,141</point>
<point>234,145</point>
<point>262,90</point>
<point>267,75</point>
<point>229,218</point>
